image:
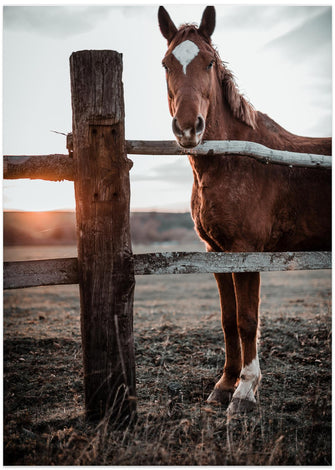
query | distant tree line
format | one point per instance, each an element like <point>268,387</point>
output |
<point>48,228</point>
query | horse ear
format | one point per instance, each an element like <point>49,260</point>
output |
<point>166,25</point>
<point>207,24</point>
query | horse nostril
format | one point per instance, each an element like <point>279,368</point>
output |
<point>200,125</point>
<point>176,129</point>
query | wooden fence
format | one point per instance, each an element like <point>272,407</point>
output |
<point>106,267</point>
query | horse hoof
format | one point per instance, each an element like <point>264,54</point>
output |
<point>222,397</point>
<point>239,406</point>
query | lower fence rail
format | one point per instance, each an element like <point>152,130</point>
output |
<point>20,274</point>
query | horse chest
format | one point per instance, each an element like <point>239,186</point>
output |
<point>226,216</point>
<point>252,211</point>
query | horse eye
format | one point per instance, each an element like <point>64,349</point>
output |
<point>165,66</point>
<point>210,65</point>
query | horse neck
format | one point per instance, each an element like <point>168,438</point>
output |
<point>221,124</point>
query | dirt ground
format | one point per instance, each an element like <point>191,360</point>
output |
<point>179,356</point>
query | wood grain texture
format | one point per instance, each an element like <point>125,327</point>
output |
<point>186,263</point>
<point>226,147</point>
<point>18,274</point>
<point>64,271</point>
<point>56,167</point>
<point>105,261</point>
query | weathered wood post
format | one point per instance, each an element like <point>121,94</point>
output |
<point>105,261</point>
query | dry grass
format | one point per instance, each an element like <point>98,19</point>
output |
<point>174,425</point>
<point>179,356</point>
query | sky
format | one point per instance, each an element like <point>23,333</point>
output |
<point>280,55</point>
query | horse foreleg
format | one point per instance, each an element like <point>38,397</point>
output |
<point>226,386</point>
<point>247,286</point>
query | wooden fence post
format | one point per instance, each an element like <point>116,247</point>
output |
<point>105,260</point>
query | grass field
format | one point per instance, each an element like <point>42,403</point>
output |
<point>179,356</point>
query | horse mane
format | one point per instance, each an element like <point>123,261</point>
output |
<point>240,107</point>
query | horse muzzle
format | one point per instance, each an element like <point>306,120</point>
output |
<point>189,136</point>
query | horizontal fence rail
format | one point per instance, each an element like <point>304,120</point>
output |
<point>198,262</point>
<point>60,167</point>
<point>44,272</point>
<point>56,167</point>
<point>231,147</point>
<point>19,274</point>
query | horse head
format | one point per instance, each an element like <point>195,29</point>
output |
<point>190,63</point>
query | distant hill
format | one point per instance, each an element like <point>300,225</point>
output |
<point>47,228</point>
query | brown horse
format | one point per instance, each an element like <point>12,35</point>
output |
<point>239,204</point>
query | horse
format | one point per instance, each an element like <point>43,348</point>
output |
<point>239,204</point>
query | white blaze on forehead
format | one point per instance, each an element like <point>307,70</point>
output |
<point>185,52</point>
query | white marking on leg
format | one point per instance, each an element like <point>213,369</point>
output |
<point>249,378</point>
<point>185,52</point>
